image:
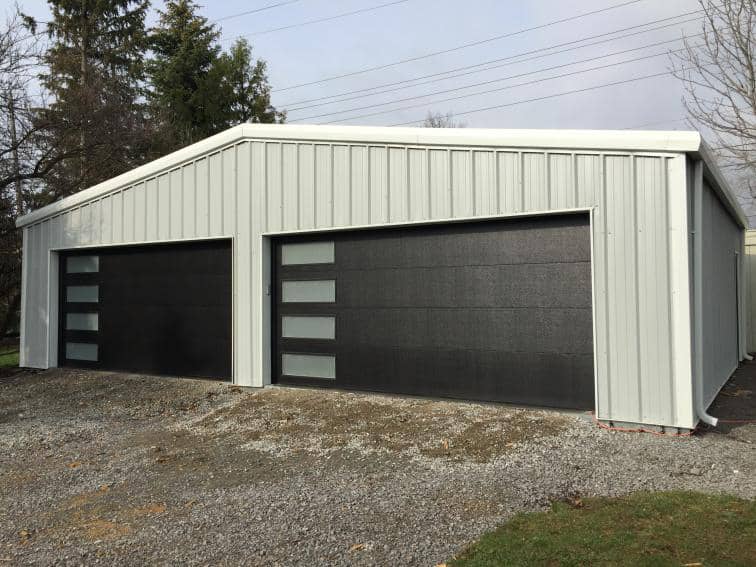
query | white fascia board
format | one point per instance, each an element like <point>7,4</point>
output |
<point>567,140</point>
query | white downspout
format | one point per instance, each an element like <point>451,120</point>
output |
<point>700,408</point>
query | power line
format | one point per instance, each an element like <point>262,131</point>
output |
<point>555,95</point>
<point>656,123</point>
<point>255,11</point>
<point>489,91</point>
<point>509,60</point>
<point>320,20</point>
<point>488,81</point>
<point>457,48</point>
<point>455,89</point>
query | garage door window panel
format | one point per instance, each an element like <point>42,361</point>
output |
<point>308,365</point>
<point>308,291</point>
<point>82,264</point>
<point>82,293</point>
<point>307,253</point>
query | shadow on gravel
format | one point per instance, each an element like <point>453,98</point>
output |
<point>735,406</point>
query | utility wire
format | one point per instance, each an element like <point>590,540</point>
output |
<point>256,10</point>
<point>319,20</point>
<point>676,40</point>
<point>546,97</point>
<point>456,89</point>
<point>479,93</point>
<point>656,123</point>
<point>458,47</point>
<point>509,60</point>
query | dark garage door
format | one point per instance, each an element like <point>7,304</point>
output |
<point>159,309</point>
<point>496,311</point>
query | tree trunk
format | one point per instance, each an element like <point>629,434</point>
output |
<point>14,148</point>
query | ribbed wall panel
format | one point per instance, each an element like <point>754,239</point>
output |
<point>258,187</point>
<point>722,246</point>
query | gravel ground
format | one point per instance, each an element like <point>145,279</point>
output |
<point>118,469</point>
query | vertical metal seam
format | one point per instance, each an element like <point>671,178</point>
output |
<point>207,162</point>
<point>297,184</point>
<point>521,181</point>
<point>450,187</point>
<point>183,203</point>
<point>637,294</point>
<point>222,189</point>
<point>315,221</point>
<point>670,324</point>
<point>236,187</point>
<point>407,184</point>
<point>194,200</point>
<point>265,215</point>
<point>170,198</point>
<point>605,236</point>
<point>429,193</point>
<point>473,189</point>
<point>388,185</point>
<point>333,190</point>
<point>497,181</point>
<point>369,185</point>
<point>575,191</point>
<point>281,191</point>
<point>547,167</point>
<point>350,182</point>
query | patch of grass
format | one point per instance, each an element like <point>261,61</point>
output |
<point>8,356</point>
<point>662,528</point>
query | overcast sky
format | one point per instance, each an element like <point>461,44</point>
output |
<point>413,28</point>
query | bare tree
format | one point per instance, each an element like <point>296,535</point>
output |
<point>438,120</point>
<point>21,157</point>
<point>719,75</point>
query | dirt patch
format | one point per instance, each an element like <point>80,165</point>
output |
<point>280,420</point>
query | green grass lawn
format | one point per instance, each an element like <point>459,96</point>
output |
<point>663,528</point>
<point>8,356</point>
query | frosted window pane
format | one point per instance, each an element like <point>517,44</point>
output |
<point>81,351</point>
<point>82,293</point>
<point>82,321</point>
<point>312,291</point>
<point>309,365</point>
<point>308,327</point>
<point>307,253</point>
<point>82,264</point>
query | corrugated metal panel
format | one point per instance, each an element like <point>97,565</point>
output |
<point>265,186</point>
<point>721,246</point>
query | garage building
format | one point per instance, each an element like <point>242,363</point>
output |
<point>595,270</point>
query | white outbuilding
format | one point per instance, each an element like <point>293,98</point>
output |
<point>596,270</point>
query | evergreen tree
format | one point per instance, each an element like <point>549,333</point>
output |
<point>248,96</point>
<point>184,82</point>
<point>196,90</point>
<point>95,75</point>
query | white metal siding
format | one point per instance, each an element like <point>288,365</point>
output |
<point>721,247</point>
<point>265,186</point>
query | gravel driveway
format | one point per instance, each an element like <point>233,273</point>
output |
<point>128,470</point>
